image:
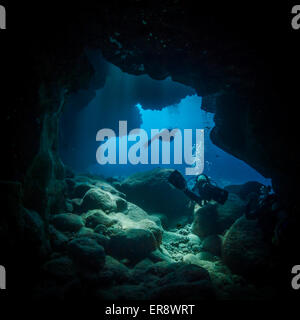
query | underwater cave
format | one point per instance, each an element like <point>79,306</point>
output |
<point>147,104</point>
<point>124,231</point>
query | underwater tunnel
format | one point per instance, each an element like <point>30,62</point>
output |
<point>147,104</point>
<point>125,231</point>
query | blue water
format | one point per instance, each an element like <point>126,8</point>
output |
<point>121,99</point>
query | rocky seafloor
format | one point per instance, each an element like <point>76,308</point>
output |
<point>141,239</point>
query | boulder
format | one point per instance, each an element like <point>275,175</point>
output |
<point>58,240</point>
<point>160,255</point>
<point>187,281</point>
<point>76,205</point>
<point>152,227</point>
<point>103,230</point>
<point>121,204</point>
<point>191,258</point>
<point>228,213</point>
<point>142,267</point>
<point>135,213</point>
<point>227,286</point>
<point>139,222</point>
<point>133,244</point>
<point>199,257</point>
<point>140,273</point>
<point>194,241</point>
<point>85,231</point>
<point>159,220</point>
<point>136,217</point>
<point>185,272</point>
<point>96,198</point>
<point>97,182</point>
<point>215,218</point>
<point>67,222</point>
<point>60,268</point>
<point>113,272</point>
<point>80,189</point>
<point>86,252</point>
<point>109,188</point>
<point>99,238</point>
<point>162,268</point>
<point>151,191</point>
<point>205,220</point>
<point>96,217</point>
<point>244,250</point>
<point>212,244</point>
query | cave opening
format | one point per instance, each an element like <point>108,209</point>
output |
<point>144,103</point>
<point>137,213</point>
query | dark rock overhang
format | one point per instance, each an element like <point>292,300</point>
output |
<point>215,50</point>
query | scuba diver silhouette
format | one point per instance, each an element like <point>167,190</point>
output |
<point>203,190</point>
<point>270,214</point>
